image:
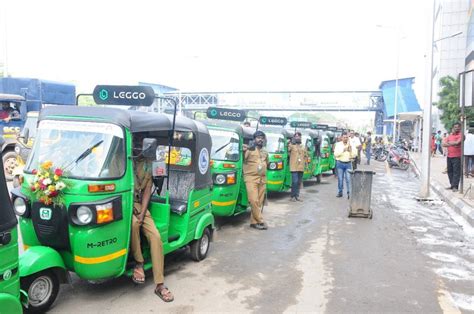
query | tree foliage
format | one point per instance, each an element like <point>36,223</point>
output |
<point>449,102</point>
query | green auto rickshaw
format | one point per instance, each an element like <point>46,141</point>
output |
<point>229,194</point>
<point>278,172</point>
<point>327,160</point>
<point>310,160</point>
<point>86,227</point>
<point>10,293</point>
<point>315,139</point>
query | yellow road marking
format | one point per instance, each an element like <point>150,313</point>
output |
<point>100,259</point>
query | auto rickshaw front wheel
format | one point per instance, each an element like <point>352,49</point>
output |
<point>200,247</point>
<point>42,289</point>
<point>9,164</point>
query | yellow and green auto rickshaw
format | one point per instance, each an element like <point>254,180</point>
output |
<point>327,160</point>
<point>315,139</point>
<point>278,172</point>
<point>229,194</point>
<point>85,228</point>
<point>10,293</point>
<point>24,143</point>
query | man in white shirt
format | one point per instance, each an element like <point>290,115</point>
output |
<point>469,153</point>
<point>357,145</point>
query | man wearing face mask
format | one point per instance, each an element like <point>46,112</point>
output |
<point>255,177</point>
<point>297,160</point>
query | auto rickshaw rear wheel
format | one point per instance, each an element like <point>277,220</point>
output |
<point>42,289</point>
<point>200,247</point>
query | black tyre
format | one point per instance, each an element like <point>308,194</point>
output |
<point>9,164</point>
<point>200,247</point>
<point>382,157</point>
<point>42,289</point>
<point>318,178</point>
<point>404,166</point>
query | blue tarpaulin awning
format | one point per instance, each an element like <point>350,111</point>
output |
<point>407,101</point>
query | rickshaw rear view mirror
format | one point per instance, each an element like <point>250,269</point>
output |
<point>149,147</point>
<point>25,135</point>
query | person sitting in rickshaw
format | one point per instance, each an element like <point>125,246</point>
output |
<point>141,219</point>
<point>7,113</point>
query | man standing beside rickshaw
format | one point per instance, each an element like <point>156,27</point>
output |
<point>141,219</point>
<point>297,161</point>
<point>255,176</point>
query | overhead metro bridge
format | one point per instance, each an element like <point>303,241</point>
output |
<point>284,101</point>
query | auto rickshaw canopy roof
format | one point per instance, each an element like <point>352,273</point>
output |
<point>245,132</point>
<point>139,121</point>
<point>135,121</point>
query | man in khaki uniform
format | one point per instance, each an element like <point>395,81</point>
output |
<point>142,218</point>
<point>297,161</point>
<point>255,177</point>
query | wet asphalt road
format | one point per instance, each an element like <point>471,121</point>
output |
<point>411,257</point>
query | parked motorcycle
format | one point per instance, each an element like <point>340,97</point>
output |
<point>380,152</point>
<point>398,157</point>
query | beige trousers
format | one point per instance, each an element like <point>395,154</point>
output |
<point>156,246</point>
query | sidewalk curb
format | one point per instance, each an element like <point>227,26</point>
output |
<point>458,205</point>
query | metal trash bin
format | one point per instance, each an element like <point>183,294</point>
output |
<point>361,193</point>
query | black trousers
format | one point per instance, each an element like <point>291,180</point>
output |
<point>454,171</point>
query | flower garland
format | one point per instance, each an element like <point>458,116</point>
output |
<point>48,185</point>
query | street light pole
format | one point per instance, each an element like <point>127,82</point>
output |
<point>426,143</point>
<point>425,150</point>
<point>395,107</point>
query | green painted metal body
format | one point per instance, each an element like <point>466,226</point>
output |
<point>229,199</point>
<point>9,276</point>
<point>311,163</point>
<point>327,161</point>
<point>102,251</point>
<point>279,180</point>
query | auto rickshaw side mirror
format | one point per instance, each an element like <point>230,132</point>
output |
<point>149,147</point>
<point>25,135</point>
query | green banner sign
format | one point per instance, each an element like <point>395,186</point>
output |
<point>226,114</point>
<point>272,120</point>
<point>124,95</point>
<point>300,124</point>
<point>320,126</point>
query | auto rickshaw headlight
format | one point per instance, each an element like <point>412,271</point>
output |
<point>220,179</point>
<point>20,207</point>
<point>84,215</point>
<point>17,149</point>
<point>272,166</point>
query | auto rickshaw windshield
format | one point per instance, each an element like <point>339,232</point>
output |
<point>82,149</point>
<point>275,143</point>
<point>225,145</point>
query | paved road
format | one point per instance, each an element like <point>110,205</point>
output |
<point>411,257</point>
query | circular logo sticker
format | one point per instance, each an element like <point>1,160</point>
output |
<point>7,275</point>
<point>203,161</point>
<point>213,112</point>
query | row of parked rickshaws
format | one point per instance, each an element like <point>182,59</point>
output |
<point>197,173</point>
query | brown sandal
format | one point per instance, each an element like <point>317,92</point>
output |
<point>164,293</point>
<point>138,275</point>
